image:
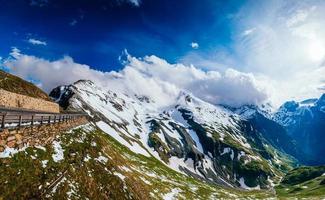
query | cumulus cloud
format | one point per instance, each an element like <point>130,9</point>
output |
<point>36,42</point>
<point>231,87</point>
<point>49,73</point>
<point>194,45</point>
<point>150,76</point>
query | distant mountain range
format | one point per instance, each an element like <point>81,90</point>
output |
<point>305,123</point>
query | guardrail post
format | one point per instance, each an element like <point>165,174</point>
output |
<point>20,120</point>
<point>41,120</point>
<point>3,121</point>
<point>54,118</point>
<point>49,119</point>
<point>32,122</point>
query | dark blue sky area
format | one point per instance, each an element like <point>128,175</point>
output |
<point>96,32</point>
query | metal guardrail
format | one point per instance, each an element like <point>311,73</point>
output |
<point>13,118</point>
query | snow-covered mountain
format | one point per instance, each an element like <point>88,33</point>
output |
<point>304,121</point>
<point>191,136</point>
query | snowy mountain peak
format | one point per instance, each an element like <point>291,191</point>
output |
<point>190,136</point>
<point>304,122</point>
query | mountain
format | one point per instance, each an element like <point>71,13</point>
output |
<point>15,84</point>
<point>193,137</point>
<point>261,118</point>
<point>304,122</point>
<point>137,148</point>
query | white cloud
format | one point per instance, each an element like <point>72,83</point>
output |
<point>281,40</point>
<point>15,52</point>
<point>36,42</point>
<point>232,87</point>
<point>248,31</point>
<point>151,76</point>
<point>298,17</point>
<point>194,45</point>
<point>287,44</point>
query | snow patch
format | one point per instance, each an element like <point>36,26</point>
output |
<point>172,195</point>
<point>44,163</point>
<point>135,147</point>
<point>121,176</point>
<point>102,159</point>
<point>58,151</point>
<point>10,152</point>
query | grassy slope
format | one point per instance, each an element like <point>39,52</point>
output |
<point>84,172</point>
<point>303,182</point>
<point>15,84</point>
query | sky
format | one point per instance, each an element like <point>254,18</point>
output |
<point>225,52</point>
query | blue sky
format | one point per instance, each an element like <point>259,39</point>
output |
<point>96,32</point>
<point>244,52</point>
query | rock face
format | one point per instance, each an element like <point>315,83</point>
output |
<point>62,95</point>
<point>304,121</point>
<point>191,136</point>
<point>274,132</point>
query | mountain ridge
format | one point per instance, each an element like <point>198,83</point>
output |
<point>191,136</point>
<point>304,121</point>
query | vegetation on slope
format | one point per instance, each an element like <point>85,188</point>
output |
<point>303,182</point>
<point>303,174</point>
<point>17,85</point>
<point>95,166</point>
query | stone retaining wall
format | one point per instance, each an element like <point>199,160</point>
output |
<point>13,100</point>
<point>36,135</point>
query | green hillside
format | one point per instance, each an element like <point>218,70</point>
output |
<point>95,166</point>
<point>15,84</point>
<point>303,182</point>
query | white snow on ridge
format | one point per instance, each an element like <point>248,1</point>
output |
<point>135,147</point>
<point>128,116</point>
